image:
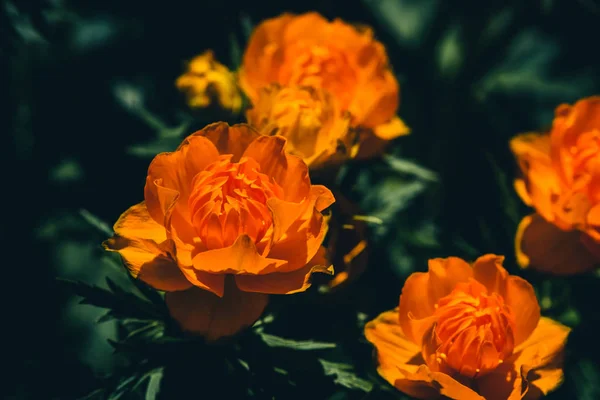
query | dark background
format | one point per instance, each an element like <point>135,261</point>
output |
<point>472,74</point>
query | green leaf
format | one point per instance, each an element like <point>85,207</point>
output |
<point>276,341</point>
<point>96,222</point>
<point>154,384</point>
<point>121,303</point>
<point>411,168</point>
<point>344,376</point>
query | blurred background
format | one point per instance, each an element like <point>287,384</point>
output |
<point>91,98</point>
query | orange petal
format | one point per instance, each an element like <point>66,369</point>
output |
<point>541,182</point>
<point>143,246</point>
<point>488,270</point>
<point>391,129</point>
<point>174,171</point>
<point>535,367</point>
<point>415,305</point>
<point>444,274</point>
<point>300,244</point>
<point>289,171</point>
<point>239,258</point>
<point>285,282</point>
<point>203,313</point>
<point>204,280</point>
<point>520,298</point>
<point>544,247</point>
<point>394,348</point>
<point>443,384</point>
<point>230,139</point>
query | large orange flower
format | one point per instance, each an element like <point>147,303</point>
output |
<point>308,50</point>
<point>468,332</point>
<point>228,218</point>
<point>310,119</point>
<point>561,180</point>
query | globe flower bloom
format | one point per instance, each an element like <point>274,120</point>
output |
<point>468,332</point>
<point>310,119</point>
<point>208,82</point>
<point>228,218</point>
<point>561,180</point>
<point>308,50</point>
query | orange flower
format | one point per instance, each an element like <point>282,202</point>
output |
<point>310,119</point>
<point>228,218</point>
<point>207,82</point>
<point>468,332</point>
<point>308,50</point>
<point>561,180</point>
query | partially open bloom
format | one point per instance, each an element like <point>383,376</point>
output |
<point>228,218</point>
<point>561,180</point>
<point>308,50</point>
<point>309,118</point>
<point>207,82</point>
<point>468,332</point>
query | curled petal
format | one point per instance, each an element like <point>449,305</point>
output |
<point>544,247</point>
<point>285,282</point>
<point>203,313</point>
<point>444,274</point>
<point>230,139</point>
<point>488,270</point>
<point>170,174</point>
<point>415,306</point>
<point>239,258</point>
<point>289,171</point>
<point>143,246</point>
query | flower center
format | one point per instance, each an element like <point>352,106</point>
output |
<point>474,330</point>
<point>229,199</point>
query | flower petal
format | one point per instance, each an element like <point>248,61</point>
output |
<point>540,182</point>
<point>230,139</point>
<point>544,247</point>
<point>415,305</point>
<point>394,348</point>
<point>171,173</point>
<point>201,312</point>
<point>391,129</point>
<point>535,368</point>
<point>142,244</point>
<point>444,274</point>
<point>289,171</point>
<point>285,282</point>
<point>441,383</point>
<point>488,270</point>
<point>525,309</point>
<point>239,258</point>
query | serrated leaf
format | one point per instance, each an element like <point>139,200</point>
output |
<point>276,341</point>
<point>96,222</point>
<point>122,304</point>
<point>344,376</point>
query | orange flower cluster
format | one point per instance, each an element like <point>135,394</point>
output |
<point>326,86</point>
<point>228,218</point>
<point>468,332</point>
<point>561,180</point>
